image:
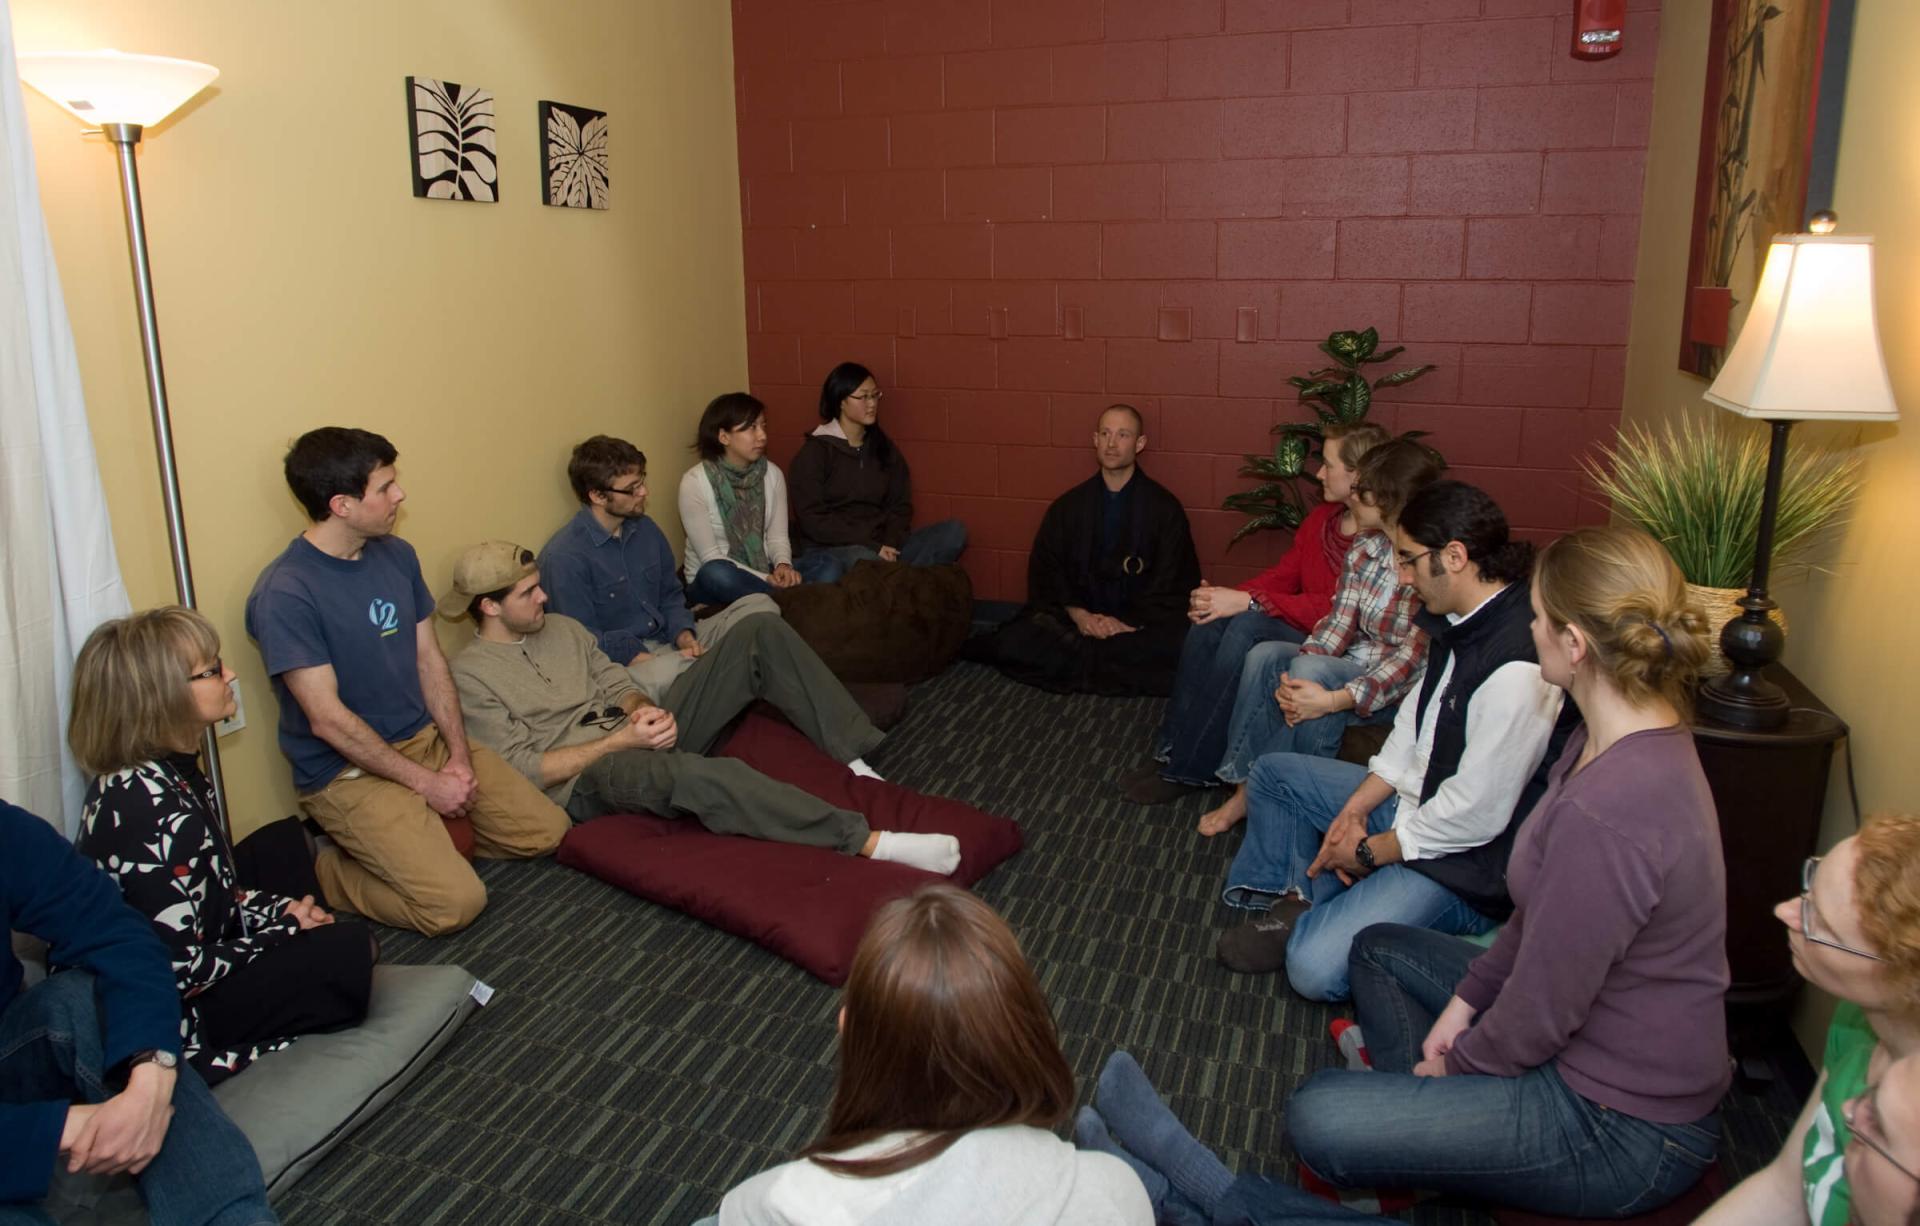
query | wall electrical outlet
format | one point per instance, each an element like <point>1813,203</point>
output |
<point>238,720</point>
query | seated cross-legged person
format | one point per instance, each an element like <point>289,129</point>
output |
<point>610,569</point>
<point>1855,934</point>
<point>1421,834</point>
<point>256,964</point>
<point>733,505</point>
<point>852,492</point>
<point>90,1070</point>
<point>537,691</point>
<point>1358,663</point>
<point>1282,605</point>
<point>962,1138</point>
<point>368,716</point>
<point>1107,580</point>
<point>1575,1067</point>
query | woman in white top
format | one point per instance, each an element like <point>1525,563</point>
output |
<point>962,1138</point>
<point>733,505</point>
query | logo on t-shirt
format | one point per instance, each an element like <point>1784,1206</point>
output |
<point>385,616</point>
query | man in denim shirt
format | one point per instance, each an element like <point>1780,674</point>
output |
<point>610,569</point>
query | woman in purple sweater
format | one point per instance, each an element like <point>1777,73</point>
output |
<point>1575,1067</point>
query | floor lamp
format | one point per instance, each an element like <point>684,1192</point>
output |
<point>1809,351</point>
<point>121,95</point>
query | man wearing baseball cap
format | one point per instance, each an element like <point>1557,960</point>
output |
<point>536,688</point>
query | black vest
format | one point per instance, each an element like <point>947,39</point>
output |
<point>1498,634</point>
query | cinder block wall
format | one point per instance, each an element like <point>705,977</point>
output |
<point>1018,211</point>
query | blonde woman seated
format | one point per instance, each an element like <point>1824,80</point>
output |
<point>255,966</point>
<point>1855,934</point>
<point>951,1080</point>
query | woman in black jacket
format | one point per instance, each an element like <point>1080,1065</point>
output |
<point>852,495</point>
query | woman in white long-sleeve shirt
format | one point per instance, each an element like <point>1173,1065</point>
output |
<point>733,505</point>
<point>951,1080</point>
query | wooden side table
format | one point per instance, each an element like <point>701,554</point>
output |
<point>1769,787</point>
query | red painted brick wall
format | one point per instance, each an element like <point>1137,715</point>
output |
<point>1018,211</point>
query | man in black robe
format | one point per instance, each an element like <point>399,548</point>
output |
<point>1107,581</point>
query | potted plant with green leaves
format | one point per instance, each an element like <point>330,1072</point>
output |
<point>1697,490</point>
<point>1338,394</point>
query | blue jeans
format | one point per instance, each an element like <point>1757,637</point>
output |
<point>1291,800</point>
<point>933,545</point>
<point>723,582</point>
<point>1193,736</point>
<point>51,1048</point>
<point>1259,728</point>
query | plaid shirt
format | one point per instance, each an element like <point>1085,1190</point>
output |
<point>1371,623</point>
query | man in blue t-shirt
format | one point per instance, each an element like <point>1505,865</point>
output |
<point>610,569</point>
<point>368,714</point>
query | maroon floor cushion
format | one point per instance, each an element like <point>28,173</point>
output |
<point>807,904</point>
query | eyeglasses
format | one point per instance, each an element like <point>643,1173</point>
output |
<point>1808,911</point>
<point>609,719</point>
<point>218,671</point>
<point>629,492</point>
<point>1408,563</point>
<point>1850,1111</point>
<point>872,397</point>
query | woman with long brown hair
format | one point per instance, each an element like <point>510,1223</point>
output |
<point>951,1080</point>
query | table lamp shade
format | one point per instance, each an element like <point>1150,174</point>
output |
<point>1810,349</point>
<point>103,87</point>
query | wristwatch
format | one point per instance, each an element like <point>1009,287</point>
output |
<point>1364,854</point>
<point>164,1059</point>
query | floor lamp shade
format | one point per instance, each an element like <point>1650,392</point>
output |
<point>1809,351</point>
<point>103,87</point>
<point>1810,348</point>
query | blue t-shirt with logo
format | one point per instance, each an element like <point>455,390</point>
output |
<point>309,608</point>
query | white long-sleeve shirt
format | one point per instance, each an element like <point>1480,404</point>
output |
<point>707,532</point>
<point>1509,721</point>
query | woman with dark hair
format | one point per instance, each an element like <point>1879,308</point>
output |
<point>852,494</point>
<point>255,967</point>
<point>951,1080</point>
<point>733,506</point>
<point>1575,1067</point>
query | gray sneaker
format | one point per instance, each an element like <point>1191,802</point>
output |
<point>1259,946</point>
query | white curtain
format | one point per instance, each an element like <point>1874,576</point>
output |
<point>58,574</point>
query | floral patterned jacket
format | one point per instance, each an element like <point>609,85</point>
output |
<point>155,828</point>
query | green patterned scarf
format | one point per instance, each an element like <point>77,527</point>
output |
<point>741,494</point>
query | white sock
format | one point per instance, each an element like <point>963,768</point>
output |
<point>934,853</point>
<point>859,767</point>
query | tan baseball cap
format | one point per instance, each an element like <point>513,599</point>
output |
<point>486,567</point>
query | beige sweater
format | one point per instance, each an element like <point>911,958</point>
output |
<point>522,699</point>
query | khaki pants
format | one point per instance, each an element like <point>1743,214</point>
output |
<point>656,674</point>
<point>394,861</point>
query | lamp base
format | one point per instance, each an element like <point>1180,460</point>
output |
<point>1743,698</point>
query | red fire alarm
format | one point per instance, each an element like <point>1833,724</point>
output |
<point>1597,27</point>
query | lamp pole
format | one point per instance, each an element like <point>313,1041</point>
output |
<point>124,137</point>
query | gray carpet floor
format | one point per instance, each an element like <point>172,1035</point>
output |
<point>636,1063</point>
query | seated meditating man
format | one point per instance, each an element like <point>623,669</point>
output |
<point>1421,834</point>
<point>537,691</point>
<point>610,569</point>
<point>1107,581</point>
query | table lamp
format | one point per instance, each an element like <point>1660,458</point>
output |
<point>1809,351</point>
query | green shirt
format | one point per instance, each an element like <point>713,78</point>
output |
<point>1850,1044</point>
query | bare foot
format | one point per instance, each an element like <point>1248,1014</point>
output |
<point>1228,815</point>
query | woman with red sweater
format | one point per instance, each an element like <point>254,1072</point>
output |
<point>1283,604</point>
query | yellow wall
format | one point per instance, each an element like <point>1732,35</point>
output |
<point>1850,637</point>
<point>299,283</point>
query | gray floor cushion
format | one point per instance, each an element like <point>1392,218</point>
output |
<point>295,1105</point>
